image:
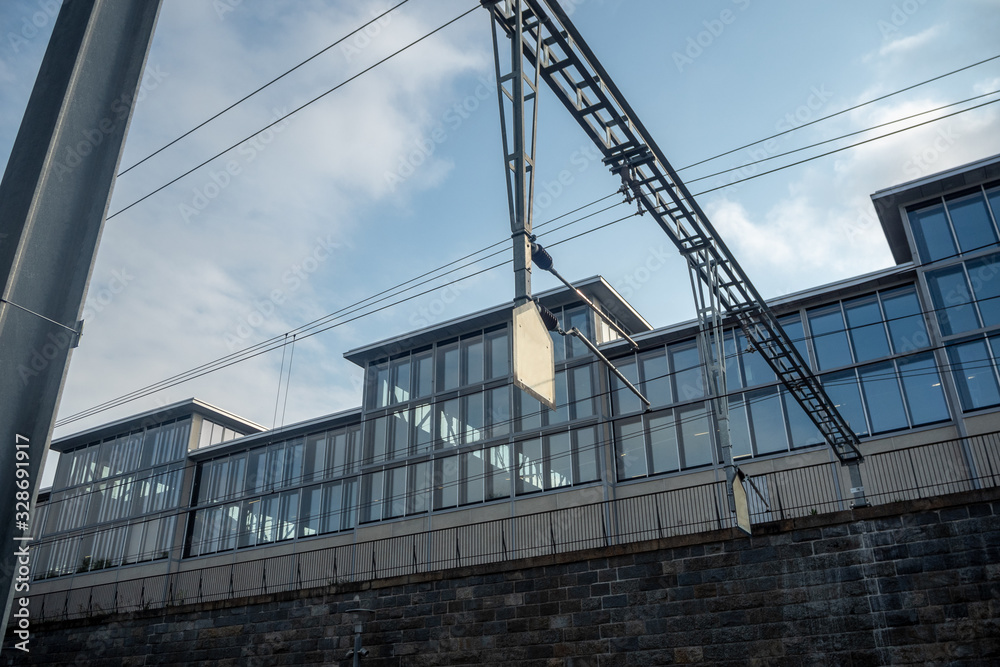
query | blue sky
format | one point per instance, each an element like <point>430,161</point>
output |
<point>331,206</point>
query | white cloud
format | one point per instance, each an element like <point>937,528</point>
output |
<point>904,45</point>
<point>196,283</point>
<point>825,227</point>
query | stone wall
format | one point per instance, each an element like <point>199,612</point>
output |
<point>910,582</point>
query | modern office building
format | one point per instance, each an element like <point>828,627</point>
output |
<point>442,438</point>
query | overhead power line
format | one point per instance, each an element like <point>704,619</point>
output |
<point>272,344</point>
<point>269,83</point>
<point>278,341</point>
<point>838,150</point>
<point>291,113</point>
<point>841,112</point>
<point>857,132</point>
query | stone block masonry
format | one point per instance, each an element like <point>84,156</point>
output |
<point>914,582</point>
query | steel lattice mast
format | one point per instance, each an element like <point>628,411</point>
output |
<point>549,41</point>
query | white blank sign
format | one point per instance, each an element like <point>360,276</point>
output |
<point>534,363</point>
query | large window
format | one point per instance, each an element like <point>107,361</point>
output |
<point>445,367</point>
<point>966,296</point>
<point>973,367</point>
<point>664,376</point>
<point>890,395</point>
<point>554,461</point>
<point>866,328</point>
<point>260,495</point>
<point>663,441</point>
<point>570,347</point>
<point>213,434</point>
<point>960,223</point>
<point>482,474</point>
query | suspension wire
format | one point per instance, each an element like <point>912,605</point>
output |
<point>838,113</point>
<point>269,83</point>
<point>289,114</point>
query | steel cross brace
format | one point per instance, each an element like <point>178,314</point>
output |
<point>571,70</point>
<point>517,92</point>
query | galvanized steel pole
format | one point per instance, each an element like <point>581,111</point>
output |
<point>53,202</point>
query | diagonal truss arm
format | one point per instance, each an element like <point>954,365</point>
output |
<point>574,74</point>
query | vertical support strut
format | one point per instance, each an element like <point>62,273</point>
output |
<point>52,216</point>
<point>712,348</point>
<point>517,92</point>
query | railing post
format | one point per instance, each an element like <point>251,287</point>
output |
<point>857,484</point>
<point>970,461</point>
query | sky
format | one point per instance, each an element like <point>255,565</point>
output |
<point>400,171</point>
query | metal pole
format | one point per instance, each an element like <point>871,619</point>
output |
<point>522,214</point>
<point>53,202</point>
<point>543,260</point>
<point>857,484</point>
<point>618,374</point>
<point>516,92</point>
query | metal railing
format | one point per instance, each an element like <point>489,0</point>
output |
<point>916,472</point>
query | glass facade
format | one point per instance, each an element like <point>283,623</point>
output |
<point>213,434</point>
<point>299,487</point>
<point>883,383</point>
<point>961,223</point>
<point>114,502</point>
<point>467,435</point>
<point>442,426</point>
<point>956,235</point>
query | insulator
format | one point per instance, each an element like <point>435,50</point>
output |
<point>541,257</point>
<point>548,318</point>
